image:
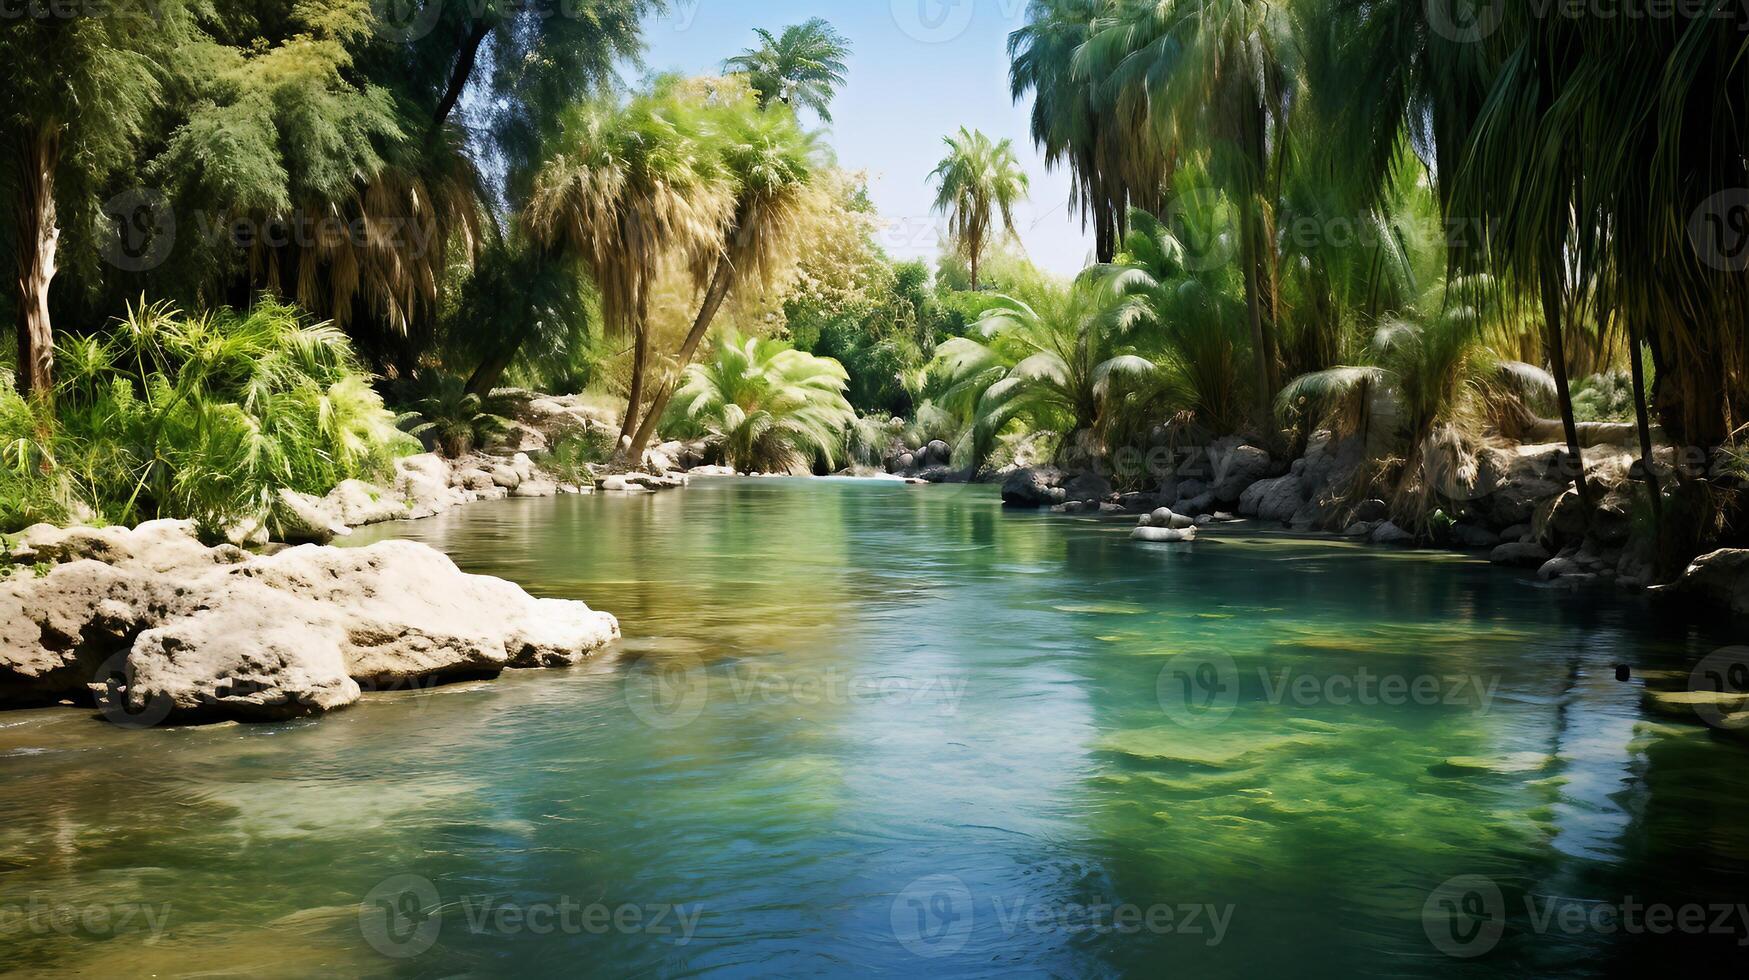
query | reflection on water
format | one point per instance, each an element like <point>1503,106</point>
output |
<point>866,725</point>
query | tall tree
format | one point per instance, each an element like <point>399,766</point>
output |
<point>628,187</point>
<point>978,184</point>
<point>81,91</point>
<point>802,68</point>
<point>770,162</point>
<point>1219,76</point>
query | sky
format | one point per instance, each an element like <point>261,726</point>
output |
<point>919,69</point>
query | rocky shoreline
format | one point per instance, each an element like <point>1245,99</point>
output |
<point>1517,507</point>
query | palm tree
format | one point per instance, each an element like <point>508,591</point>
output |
<point>803,67</point>
<point>1218,75</point>
<point>769,406</point>
<point>629,186</point>
<point>980,182</point>
<point>1191,318</point>
<point>770,162</point>
<point>1114,160</point>
<point>1050,357</point>
<point>1430,376</point>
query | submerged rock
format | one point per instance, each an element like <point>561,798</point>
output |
<point>1033,486</point>
<point>175,631</point>
<point>1163,535</point>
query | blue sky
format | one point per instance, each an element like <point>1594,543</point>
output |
<point>920,69</point>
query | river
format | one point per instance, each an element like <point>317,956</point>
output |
<point>865,726</point>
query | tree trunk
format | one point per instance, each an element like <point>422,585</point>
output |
<point>974,252</point>
<point>722,280</point>
<point>640,354</point>
<point>464,67</point>
<point>1643,416</point>
<point>38,237</point>
<point>1553,315</point>
<point>1259,349</point>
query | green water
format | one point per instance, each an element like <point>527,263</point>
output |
<point>863,726</point>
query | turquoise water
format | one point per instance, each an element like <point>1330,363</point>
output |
<point>860,726</point>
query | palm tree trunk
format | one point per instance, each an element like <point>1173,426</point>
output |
<point>38,237</point>
<point>1553,314</point>
<point>1254,309</point>
<point>1643,416</point>
<point>722,280</point>
<point>974,250</point>
<point>635,397</point>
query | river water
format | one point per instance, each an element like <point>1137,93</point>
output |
<point>864,726</point>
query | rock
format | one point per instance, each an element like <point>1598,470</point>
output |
<point>504,476</point>
<point>1238,469</point>
<point>1273,500</point>
<point>1511,483</point>
<point>1200,504</point>
<point>616,483</point>
<point>1164,517</point>
<point>904,462</point>
<point>1163,535</point>
<point>1556,568</point>
<point>1111,508</point>
<point>1389,533</point>
<point>535,488</point>
<point>1088,487</point>
<point>1520,554</point>
<point>1474,538</point>
<point>47,543</point>
<point>520,438</point>
<point>711,471</point>
<point>1517,532</point>
<point>1190,489</point>
<point>1721,577</point>
<point>1361,529</point>
<point>1371,511</point>
<point>1560,520</point>
<point>938,474</point>
<point>1033,486</point>
<point>938,453</point>
<point>473,479</point>
<point>216,633</point>
<point>1683,704</point>
<point>650,481</point>
<point>355,503</point>
<point>299,518</point>
<point>422,482</point>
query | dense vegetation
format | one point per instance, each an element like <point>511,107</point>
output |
<point>1349,215</point>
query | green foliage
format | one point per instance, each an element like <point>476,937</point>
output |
<point>195,417</point>
<point>978,184</point>
<point>447,416</point>
<point>570,458</point>
<point>802,67</point>
<point>1604,398</point>
<point>768,406</point>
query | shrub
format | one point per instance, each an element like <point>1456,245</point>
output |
<point>195,417</point>
<point>766,404</point>
<point>448,417</point>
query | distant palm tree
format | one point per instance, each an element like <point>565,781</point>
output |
<point>802,67</point>
<point>1048,357</point>
<point>769,406</point>
<point>630,186</point>
<point>980,182</point>
<point>770,161</point>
